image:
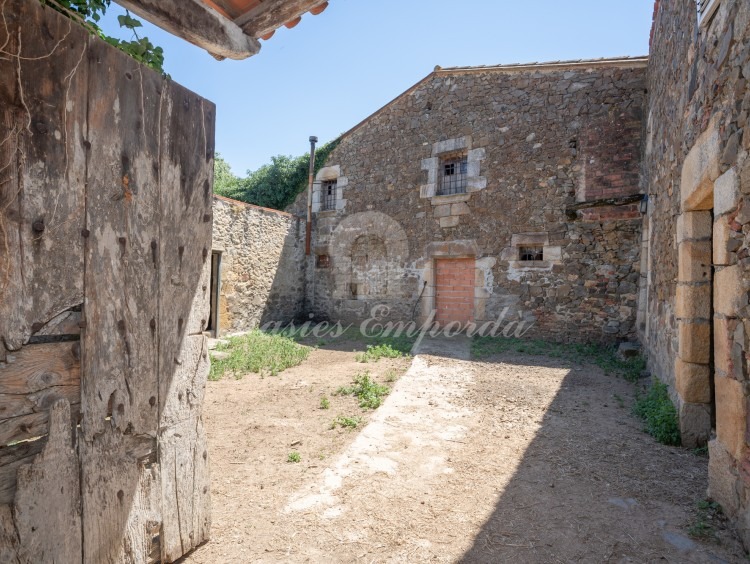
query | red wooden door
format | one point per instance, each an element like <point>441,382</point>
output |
<point>454,290</point>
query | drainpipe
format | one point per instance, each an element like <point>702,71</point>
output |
<point>308,234</point>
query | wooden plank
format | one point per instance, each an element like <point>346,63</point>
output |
<point>118,507</point>
<point>186,500</point>
<point>8,536</point>
<point>42,191</point>
<point>186,200</point>
<point>47,506</point>
<point>11,459</point>
<point>119,345</point>
<point>276,13</point>
<point>195,22</point>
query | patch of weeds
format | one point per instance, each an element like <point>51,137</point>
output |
<point>605,357</point>
<point>619,400</point>
<point>391,376</point>
<point>325,403</point>
<point>346,422</point>
<point>658,413</point>
<point>401,342</point>
<point>708,515</point>
<point>700,451</point>
<point>258,352</point>
<point>369,393</point>
<point>375,352</point>
<point>294,457</point>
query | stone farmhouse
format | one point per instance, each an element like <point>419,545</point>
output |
<point>602,200</point>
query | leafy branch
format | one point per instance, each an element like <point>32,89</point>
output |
<point>90,12</point>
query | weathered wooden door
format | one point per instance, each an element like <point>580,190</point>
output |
<point>105,236</point>
<point>454,290</point>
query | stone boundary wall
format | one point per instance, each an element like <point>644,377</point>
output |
<point>262,265</point>
<point>697,174</point>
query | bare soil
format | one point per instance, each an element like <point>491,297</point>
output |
<point>511,459</point>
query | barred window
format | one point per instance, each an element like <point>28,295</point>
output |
<point>328,195</point>
<point>453,175</point>
<point>529,253</point>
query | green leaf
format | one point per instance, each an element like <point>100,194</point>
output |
<point>129,22</point>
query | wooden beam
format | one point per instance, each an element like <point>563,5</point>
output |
<point>195,22</point>
<point>272,14</point>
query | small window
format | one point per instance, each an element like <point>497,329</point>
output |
<point>328,195</point>
<point>323,261</point>
<point>531,253</point>
<point>453,175</point>
<point>706,10</point>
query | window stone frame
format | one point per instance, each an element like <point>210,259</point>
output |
<point>552,253</point>
<point>329,173</point>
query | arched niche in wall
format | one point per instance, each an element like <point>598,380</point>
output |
<point>368,252</point>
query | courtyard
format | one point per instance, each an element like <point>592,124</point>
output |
<point>473,456</point>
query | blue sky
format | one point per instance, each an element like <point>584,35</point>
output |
<point>333,70</point>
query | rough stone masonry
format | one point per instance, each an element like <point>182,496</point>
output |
<point>546,210</point>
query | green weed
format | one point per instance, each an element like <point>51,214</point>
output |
<point>391,376</point>
<point>605,357</point>
<point>658,413</point>
<point>325,403</point>
<point>707,515</point>
<point>375,352</point>
<point>346,422</point>
<point>369,393</point>
<point>294,457</point>
<point>258,352</point>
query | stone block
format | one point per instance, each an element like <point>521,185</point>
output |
<point>722,346</point>
<point>731,415</point>
<point>459,209</point>
<point>695,424</point>
<point>699,171</point>
<point>694,258</point>
<point>442,211</point>
<point>722,478</point>
<point>723,254</point>
<point>693,302</point>
<point>427,190</point>
<point>451,221</point>
<point>692,382</point>
<point>726,192</point>
<point>694,226</point>
<point>729,295</point>
<point>695,341</point>
<point>552,253</point>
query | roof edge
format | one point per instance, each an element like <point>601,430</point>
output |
<point>619,62</point>
<point>253,206</point>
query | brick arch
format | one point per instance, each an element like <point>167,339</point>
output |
<point>369,225</point>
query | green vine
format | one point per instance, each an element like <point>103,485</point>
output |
<point>89,13</point>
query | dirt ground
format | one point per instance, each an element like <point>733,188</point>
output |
<point>511,459</point>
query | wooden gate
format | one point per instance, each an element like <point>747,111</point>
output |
<point>105,237</point>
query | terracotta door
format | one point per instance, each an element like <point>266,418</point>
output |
<point>454,290</point>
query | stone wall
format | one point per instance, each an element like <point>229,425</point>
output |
<point>698,177</point>
<point>262,265</point>
<point>552,160</point>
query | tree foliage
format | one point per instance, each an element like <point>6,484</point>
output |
<point>89,12</point>
<point>274,185</point>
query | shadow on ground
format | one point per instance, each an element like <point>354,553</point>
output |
<point>589,485</point>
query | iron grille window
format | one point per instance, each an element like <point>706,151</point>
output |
<point>453,173</point>
<point>328,195</point>
<point>531,253</point>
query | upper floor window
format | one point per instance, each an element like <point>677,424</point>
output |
<point>452,175</point>
<point>706,10</point>
<point>328,195</point>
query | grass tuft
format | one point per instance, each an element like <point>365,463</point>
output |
<point>294,457</point>
<point>369,393</point>
<point>375,352</point>
<point>260,353</point>
<point>658,413</point>
<point>325,403</point>
<point>346,422</point>
<point>708,515</point>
